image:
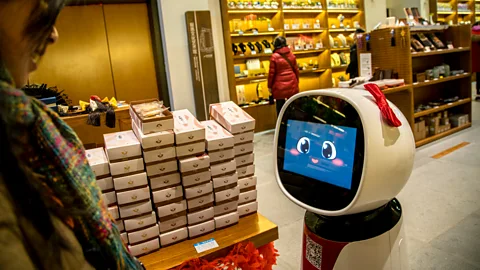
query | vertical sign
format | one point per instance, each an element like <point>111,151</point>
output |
<point>202,61</point>
<point>365,65</point>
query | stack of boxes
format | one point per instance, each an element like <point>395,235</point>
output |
<point>194,166</point>
<point>162,164</point>
<point>158,142</point>
<point>132,192</point>
<point>220,147</point>
<point>242,126</point>
<point>99,163</point>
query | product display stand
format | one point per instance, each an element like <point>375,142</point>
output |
<point>455,11</point>
<point>254,228</point>
<point>318,32</point>
<point>435,105</point>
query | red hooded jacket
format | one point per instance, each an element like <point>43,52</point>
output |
<point>282,79</point>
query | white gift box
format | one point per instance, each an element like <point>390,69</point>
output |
<point>194,163</point>
<point>98,162</point>
<point>144,248</point>
<point>247,197</point>
<point>242,149</point>
<point>246,209</point>
<point>201,229</point>
<point>225,208</point>
<point>164,181</point>
<point>187,129</point>
<point>198,191</point>
<point>143,235</point>
<point>192,149</point>
<point>246,183</point>
<point>135,209</point>
<point>226,220</point>
<point>200,216</point>
<point>226,195</point>
<point>127,167</point>
<point>133,196</point>
<point>223,168</point>
<point>222,155</point>
<point>197,178</point>
<point>130,181</point>
<point>174,236</point>
<point>217,137</point>
<point>225,180</point>
<point>154,140</point>
<point>172,224</point>
<point>244,137</point>
<point>140,222</point>
<point>122,145</point>
<point>232,117</point>
<point>168,194</point>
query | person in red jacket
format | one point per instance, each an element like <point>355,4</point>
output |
<point>283,76</point>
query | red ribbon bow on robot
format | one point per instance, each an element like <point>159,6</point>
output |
<point>382,103</point>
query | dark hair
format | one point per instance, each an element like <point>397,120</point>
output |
<point>42,19</point>
<point>280,42</point>
<point>359,31</point>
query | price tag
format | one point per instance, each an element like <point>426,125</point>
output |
<point>306,26</point>
<point>316,26</point>
<point>254,52</point>
<point>206,245</point>
<point>286,26</point>
<point>295,26</point>
<point>450,46</point>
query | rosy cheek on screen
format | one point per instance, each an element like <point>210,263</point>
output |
<point>337,162</point>
<point>294,152</point>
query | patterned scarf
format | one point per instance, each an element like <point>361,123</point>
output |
<point>43,142</point>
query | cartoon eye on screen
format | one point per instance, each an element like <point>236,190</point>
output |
<point>322,152</point>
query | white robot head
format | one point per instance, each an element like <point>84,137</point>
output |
<point>336,155</point>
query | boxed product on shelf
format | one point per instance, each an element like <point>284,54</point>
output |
<point>223,168</point>
<point>154,140</point>
<point>200,203</point>
<point>419,131</point>
<point>122,168</point>
<point>130,181</point>
<point>173,237</point>
<point>187,129</point>
<point>168,195</point>
<point>243,160</point>
<point>165,181</point>
<point>133,196</point>
<point>242,149</point>
<point>247,184</point>
<point>225,181</point>
<point>140,222</point>
<point>133,210</point>
<point>188,150</point>
<point>113,210</point>
<point>247,196</point>
<point>232,117</point>
<point>201,229</point>
<point>159,154</point>
<point>246,171</point>
<point>98,162</point>
<point>162,168</point>
<point>151,116</point>
<point>121,146</point>
<point>226,220</point>
<point>217,138</point>
<point>222,155</point>
<point>200,216</point>
<point>227,195</point>
<point>172,224</point>
<point>110,198</point>
<point>143,235</point>
<point>172,211</point>
<point>225,208</point>
<point>247,209</point>
<point>105,184</point>
<point>144,248</point>
<point>196,178</point>
<point>195,163</point>
<point>244,137</point>
<point>459,120</point>
<point>120,226</point>
<point>198,191</point>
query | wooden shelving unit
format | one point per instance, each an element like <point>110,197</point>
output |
<point>254,228</point>
<point>458,14</point>
<point>400,59</point>
<point>234,20</point>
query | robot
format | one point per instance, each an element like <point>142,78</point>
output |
<point>338,157</point>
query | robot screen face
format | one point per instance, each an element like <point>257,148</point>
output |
<point>320,152</point>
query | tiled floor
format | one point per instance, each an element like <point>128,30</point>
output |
<point>441,204</point>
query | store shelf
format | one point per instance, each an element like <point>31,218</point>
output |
<point>304,31</point>
<point>397,89</point>
<point>465,12</point>
<point>441,135</point>
<point>309,51</point>
<point>248,11</point>
<point>256,105</point>
<point>337,30</point>
<point>333,10</point>
<point>312,71</point>
<point>445,12</point>
<point>259,55</point>
<point>272,33</point>
<point>441,51</point>
<point>340,67</point>
<point>250,79</point>
<point>254,228</point>
<point>437,81</point>
<point>443,107</point>
<point>303,10</point>
<point>340,49</point>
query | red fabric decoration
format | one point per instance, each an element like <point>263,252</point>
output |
<point>382,103</point>
<point>243,255</point>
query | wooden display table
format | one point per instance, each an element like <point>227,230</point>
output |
<point>92,136</point>
<point>254,228</point>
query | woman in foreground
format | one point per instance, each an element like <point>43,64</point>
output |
<point>51,212</point>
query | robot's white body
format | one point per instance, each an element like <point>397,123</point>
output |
<point>387,155</point>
